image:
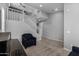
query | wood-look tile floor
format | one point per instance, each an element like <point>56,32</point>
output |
<point>47,47</point>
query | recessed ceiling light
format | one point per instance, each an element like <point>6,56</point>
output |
<point>56,9</point>
<point>68,10</point>
<point>41,5</point>
<point>68,31</point>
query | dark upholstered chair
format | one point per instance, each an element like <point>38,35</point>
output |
<point>3,48</point>
<point>74,52</point>
<point>28,40</point>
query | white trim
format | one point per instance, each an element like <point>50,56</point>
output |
<point>57,40</point>
<point>54,39</point>
<point>3,19</point>
<point>67,49</point>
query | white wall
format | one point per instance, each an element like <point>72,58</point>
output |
<point>18,28</point>
<point>54,27</point>
<point>0,20</point>
<point>71,25</point>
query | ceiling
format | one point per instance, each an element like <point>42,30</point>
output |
<point>48,7</point>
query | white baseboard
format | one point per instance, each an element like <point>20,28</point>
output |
<point>67,49</point>
<point>53,39</point>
